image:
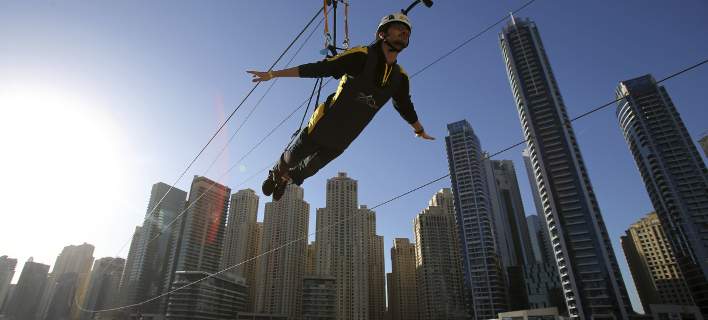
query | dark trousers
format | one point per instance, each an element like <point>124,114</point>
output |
<point>304,158</point>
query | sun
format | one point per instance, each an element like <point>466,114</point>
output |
<point>61,165</point>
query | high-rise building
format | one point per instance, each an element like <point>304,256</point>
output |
<point>319,298</point>
<point>29,289</point>
<point>102,292</point>
<point>129,278</point>
<point>155,245</point>
<point>199,238</point>
<point>7,272</point>
<point>513,241</point>
<point>342,242</point>
<point>66,285</point>
<point>437,260</point>
<point>281,270</point>
<point>591,279</point>
<point>482,270</point>
<point>216,297</point>
<point>311,259</point>
<point>543,285</point>
<point>377,268</point>
<point>674,175</point>
<point>405,297</point>
<point>242,242</point>
<point>653,265</point>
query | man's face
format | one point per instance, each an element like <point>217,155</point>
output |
<point>398,35</point>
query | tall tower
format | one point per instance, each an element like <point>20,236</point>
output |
<point>405,299</point>
<point>484,279</point>
<point>102,289</point>
<point>7,271</point>
<point>342,243</point>
<point>653,265</point>
<point>437,260</point>
<point>674,174</point>
<point>242,242</point>
<point>23,303</point>
<point>377,268</point>
<point>591,279</point>
<point>281,272</point>
<point>152,260</point>
<point>67,282</point>
<point>129,278</point>
<point>200,235</point>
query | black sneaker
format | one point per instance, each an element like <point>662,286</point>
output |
<point>269,184</point>
<point>279,189</point>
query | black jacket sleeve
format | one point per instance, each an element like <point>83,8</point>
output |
<point>402,100</point>
<point>349,62</point>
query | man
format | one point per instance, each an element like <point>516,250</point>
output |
<point>369,78</point>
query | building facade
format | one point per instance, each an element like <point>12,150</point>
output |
<point>588,269</point>
<point>653,264</point>
<point>437,260</point>
<point>403,279</point>
<point>674,175</point>
<point>214,298</point>
<point>482,268</point>
<point>280,272</point>
<point>342,245</point>
<point>242,240</point>
<point>103,285</point>
<point>7,272</point>
<point>29,289</point>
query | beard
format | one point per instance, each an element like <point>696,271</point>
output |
<point>399,44</point>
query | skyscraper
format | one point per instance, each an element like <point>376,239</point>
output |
<point>242,242</point>
<point>200,235</point>
<point>7,271</point>
<point>704,143</point>
<point>674,175</point>
<point>591,279</point>
<point>653,265</point>
<point>405,297</point>
<point>155,244</point>
<point>377,268</point>
<point>342,242</point>
<point>484,279</point>
<point>513,241</point>
<point>67,283</point>
<point>23,303</point>
<point>102,290</point>
<point>437,260</point>
<point>206,296</point>
<point>129,278</point>
<point>281,271</point>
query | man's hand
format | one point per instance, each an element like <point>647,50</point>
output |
<point>259,76</point>
<point>424,135</point>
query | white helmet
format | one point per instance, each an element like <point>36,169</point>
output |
<point>395,17</point>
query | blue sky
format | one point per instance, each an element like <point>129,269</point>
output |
<point>134,89</point>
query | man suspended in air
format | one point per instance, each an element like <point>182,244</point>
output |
<point>370,77</point>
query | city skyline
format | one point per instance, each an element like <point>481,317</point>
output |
<point>418,162</point>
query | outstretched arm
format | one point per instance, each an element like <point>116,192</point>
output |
<point>259,76</point>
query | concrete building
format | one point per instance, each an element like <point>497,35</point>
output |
<point>67,283</point>
<point>280,272</point>
<point>151,260</point>
<point>588,269</point>
<point>215,298</point>
<point>29,289</point>
<point>377,268</point>
<point>198,237</point>
<point>102,290</point>
<point>437,260</point>
<point>653,264</point>
<point>242,240</point>
<point>674,175</point>
<point>343,241</point>
<point>403,278</point>
<point>482,266</point>
<point>319,298</point>
<point>7,272</point>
